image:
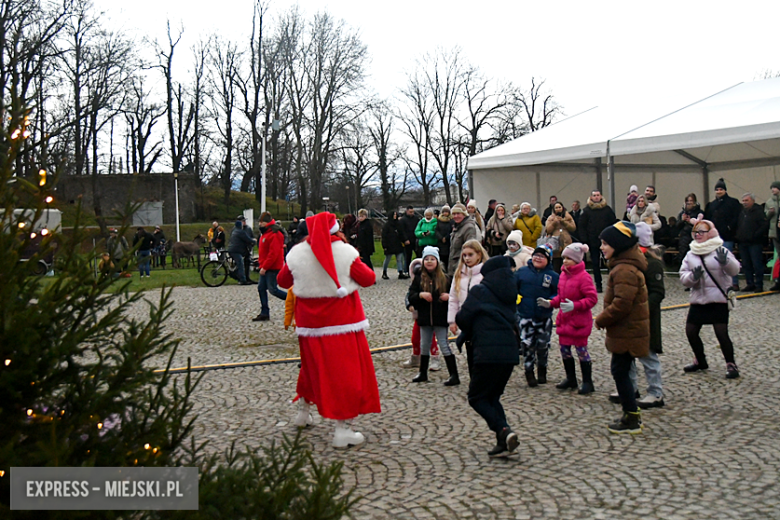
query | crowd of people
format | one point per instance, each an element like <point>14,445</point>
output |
<point>496,280</point>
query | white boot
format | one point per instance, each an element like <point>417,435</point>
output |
<point>344,437</point>
<point>304,418</point>
<point>435,364</point>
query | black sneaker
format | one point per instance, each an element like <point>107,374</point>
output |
<point>498,451</point>
<point>695,367</point>
<point>732,372</point>
<point>385,277</point>
<point>261,317</point>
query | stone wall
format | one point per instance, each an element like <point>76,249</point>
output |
<point>116,190</point>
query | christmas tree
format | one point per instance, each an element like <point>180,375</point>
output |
<point>78,379</point>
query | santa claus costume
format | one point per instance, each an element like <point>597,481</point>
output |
<point>337,373</point>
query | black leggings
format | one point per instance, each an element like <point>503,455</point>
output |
<point>692,330</point>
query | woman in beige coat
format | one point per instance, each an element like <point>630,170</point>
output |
<point>497,230</point>
<point>644,212</point>
<point>560,224</point>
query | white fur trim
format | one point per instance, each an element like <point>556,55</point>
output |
<point>335,227</point>
<point>333,330</point>
<point>311,280</point>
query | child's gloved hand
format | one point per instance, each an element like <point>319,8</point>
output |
<point>697,272</point>
<point>567,306</point>
<point>541,302</point>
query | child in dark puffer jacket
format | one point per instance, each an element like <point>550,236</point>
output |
<point>487,322</point>
<point>536,280</point>
<point>428,295</point>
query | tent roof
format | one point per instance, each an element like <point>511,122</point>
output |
<point>744,113</point>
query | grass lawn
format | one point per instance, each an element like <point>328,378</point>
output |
<point>169,277</point>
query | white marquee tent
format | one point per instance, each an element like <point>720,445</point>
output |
<point>734,134</point>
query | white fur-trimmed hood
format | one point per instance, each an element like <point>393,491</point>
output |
<point>311,280</point>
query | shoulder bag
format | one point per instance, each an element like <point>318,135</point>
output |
<point>731,296</point>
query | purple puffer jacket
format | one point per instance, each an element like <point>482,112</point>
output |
<point>704,290</point>
<point>576,284</point>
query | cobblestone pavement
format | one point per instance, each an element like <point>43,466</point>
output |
<point>711,452</point>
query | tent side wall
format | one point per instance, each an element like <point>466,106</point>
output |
<point>534,184</point>
<point>750,180</point>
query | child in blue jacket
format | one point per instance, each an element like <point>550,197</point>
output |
<point>536,280</point>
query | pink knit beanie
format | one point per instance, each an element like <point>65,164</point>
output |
<point>575,251</point>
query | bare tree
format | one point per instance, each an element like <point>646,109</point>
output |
<point>97,62</point>
<point>483,106</point>
<point>28,52</point>
<point>417,119</point>
<point>324,62</point>
<point>142,115</point>
<point>224,63</point>
<point>538,105</point>
<point>444,79</point>
<point>180,112</point>
<point>356,161</point>
<point>251,87</point>
<point>393,182</point>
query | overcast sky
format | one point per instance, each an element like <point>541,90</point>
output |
<point>641,54</point>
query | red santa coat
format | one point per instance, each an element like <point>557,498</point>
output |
<point>337,372</point>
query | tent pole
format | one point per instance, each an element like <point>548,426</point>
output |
<point>599,182</point>
<point>611,177</point>
<point>705,174</point>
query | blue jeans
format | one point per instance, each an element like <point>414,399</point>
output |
<point>426,338</point>
<point>753,263</point>
<point>238,259</point>
<point>399,262</point>
<point>652,366</point>
<point>267,284</point>
<point>144,260</point>
<point>729,244</point>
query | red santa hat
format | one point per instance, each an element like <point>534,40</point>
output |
<point>321,226</point>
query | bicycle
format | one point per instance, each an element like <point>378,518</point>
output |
<point>215,272</point>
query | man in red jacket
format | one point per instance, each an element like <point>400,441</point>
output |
<point>271,260</point>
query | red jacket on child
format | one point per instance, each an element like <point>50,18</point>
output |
<point>575,284</point>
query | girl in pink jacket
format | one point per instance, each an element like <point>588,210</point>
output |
<point>576,297</point>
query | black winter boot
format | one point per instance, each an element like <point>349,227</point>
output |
<point>452,368</point>
<point>631,422</point>
<point>384,275</point>
<point>587,381</point>
<point>422,377</point>
<point>530,377</point>
<point>570,382</point>
<point>542,375</point>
